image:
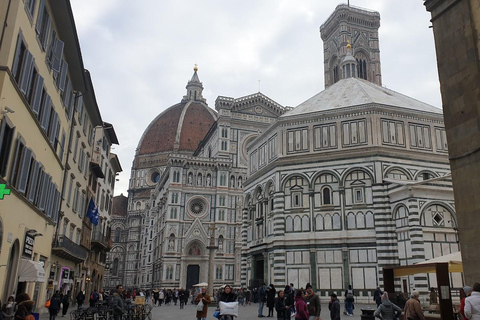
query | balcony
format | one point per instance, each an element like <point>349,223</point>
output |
<point>99,241</point>
<point>69,250</point>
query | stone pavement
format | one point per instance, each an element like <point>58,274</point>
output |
<point>172,312</point>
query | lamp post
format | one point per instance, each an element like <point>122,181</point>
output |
<point>211,248</point>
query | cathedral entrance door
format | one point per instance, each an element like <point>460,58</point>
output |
<point>193,275</point>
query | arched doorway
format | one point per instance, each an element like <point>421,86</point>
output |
<point>12,267</point>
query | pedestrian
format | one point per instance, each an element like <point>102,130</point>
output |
<point>334,307</point>
<point>387,310</point>
<point>65,303</point>
<point>55,304</point>
<point>118,303</point>
<point>94,298</point>
<point>300,306</point>
<point>181,297</point>
<point>80,299</point>
<point>261,298</point>
<point>349,300</point>
<point>313,303</point>
<point>247,297</point>
<point>161,296</point>
<point>464,293</point>
<point>8,309</point>
<point>283,311</point>
<point>156,296</point>
<point>377,296</point>
<point>289,298</point>
<point>24,307</point>
<point>175,296</point>
<point>472,303</point>
<point>413,309</point>
<point>226,296</point>
<point>202,301</point>
<point>271,292</point>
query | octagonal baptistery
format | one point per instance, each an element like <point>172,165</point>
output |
<point>178,129</point>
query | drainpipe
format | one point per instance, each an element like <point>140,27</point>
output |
<point>5,23</point>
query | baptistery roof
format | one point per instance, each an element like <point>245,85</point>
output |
<point>355,92</point>
<point>181,127</point>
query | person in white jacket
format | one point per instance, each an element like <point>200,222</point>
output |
<point>472,303</point>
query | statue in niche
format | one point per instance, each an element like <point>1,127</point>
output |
<point>199,180</point>
<point>232,182</point>
<point>171,245</point>
<point>220,245</point>
<point>190,178</point>
<point>209,182</point>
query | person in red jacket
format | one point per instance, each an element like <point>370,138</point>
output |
<point>466,292</point>
<point>300,306</point>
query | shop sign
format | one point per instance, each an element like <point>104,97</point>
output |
<point>28,246</point>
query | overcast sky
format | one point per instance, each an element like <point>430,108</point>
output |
<point>141,54</point>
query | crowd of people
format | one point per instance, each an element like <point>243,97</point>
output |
<point>288,303</point>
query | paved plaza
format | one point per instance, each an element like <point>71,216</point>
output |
<point>172,312</point>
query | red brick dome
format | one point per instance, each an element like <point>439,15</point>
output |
<point>180,128</point>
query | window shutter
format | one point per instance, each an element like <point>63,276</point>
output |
<point>56,208</point>
<point>27,68</point>
<point>37,94</point>
<point>41,10</point>
<point>41,176</point>
<point>79,106</point>
<point>63,75</point>
<point>46,33</point>
<point>62,146</point>
<point>57,55</point>
<point>66,95</point>
<point>17,56</point>
<point>53,127</point>
<point>32,184</point>
<point>24,170</point>
<point>46,110</point>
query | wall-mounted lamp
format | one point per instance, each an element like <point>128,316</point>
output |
<point>34,233</point>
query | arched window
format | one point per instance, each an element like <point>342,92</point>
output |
<point>369,221</point>
<point>117,234</point>
<point>115,267</point>
<point>401,217</point>
<point>351,221</point>
<point>319,222</point>
<point>337,225</point>
<point>305,223</point>
<point>297,224</point>
<point>328,222</point>
<point>360,220</point>
<point>289,224</point>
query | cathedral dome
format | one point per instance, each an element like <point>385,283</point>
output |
<point>181,127</point>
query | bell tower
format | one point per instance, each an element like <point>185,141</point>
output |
<point>357,29</point>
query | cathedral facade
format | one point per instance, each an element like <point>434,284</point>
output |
<point>354,179</point>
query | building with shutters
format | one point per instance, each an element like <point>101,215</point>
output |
<point>48,122</point>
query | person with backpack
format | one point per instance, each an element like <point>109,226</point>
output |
<point>94,298</point>
<point>55,305</point>
<point>387,310</point>
<point>349,300</point>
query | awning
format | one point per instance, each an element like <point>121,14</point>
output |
<point>454,261</point>
<point>31,271</point>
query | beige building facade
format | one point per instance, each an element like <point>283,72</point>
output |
<point>48,116</point>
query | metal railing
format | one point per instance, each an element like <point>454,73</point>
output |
<point>71,247</point>
<point>97,236</point>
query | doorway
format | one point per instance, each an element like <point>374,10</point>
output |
<point>193,275</point>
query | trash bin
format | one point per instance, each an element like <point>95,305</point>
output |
<point>367,314</point>
<point>36,315</point>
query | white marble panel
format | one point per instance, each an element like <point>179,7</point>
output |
<point>337,256</point>
<point>357,278</point>
<point>298,257</point>
<point>305,257</point>
<point>304,277</point>
<point>371,278</point>
<point>329,256</point>
<point>290,258</point>
<point>324,278</point>
<point>336,278</point>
